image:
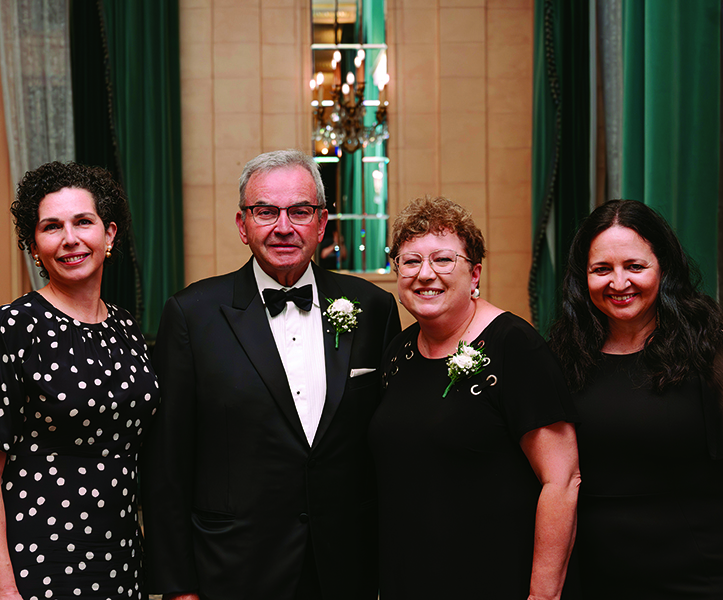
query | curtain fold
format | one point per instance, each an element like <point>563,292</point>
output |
<point>671,119</point>
<point>35,55</point>
<point>560,145</point>
<point>143,49</point>
<point>95,139</point>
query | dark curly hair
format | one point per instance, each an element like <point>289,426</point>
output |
<point>110,200</point>
<point>437,215</point>
<point>689,329</point>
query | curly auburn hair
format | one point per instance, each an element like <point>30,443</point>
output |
<point>689,329</point>
<point>437,215</point>
<point>110,200</point>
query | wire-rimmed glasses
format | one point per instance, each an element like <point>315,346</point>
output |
<point>442,262</point>
<point>268,214</point>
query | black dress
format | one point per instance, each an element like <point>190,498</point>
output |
<point>76,399</point>
<point>651,502</point>
<point>457,496</point>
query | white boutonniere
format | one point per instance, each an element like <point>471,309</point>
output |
<point>464,363</point>
<point>342,315</point>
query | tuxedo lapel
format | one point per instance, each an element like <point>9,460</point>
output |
<point>247,318</point>
<point>336,359</point>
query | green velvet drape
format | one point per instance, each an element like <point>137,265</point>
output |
<point>143,47</point>
<point>95,141</point>
<point>560,145</point>
<point>671,118</point>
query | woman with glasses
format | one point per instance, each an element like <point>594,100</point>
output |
<point>476,457</point>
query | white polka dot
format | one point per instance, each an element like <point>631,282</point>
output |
<point>88,530</point>
<point>108,535</point>
<point>47,580</point>
<point>82,385</point>
<point>41,501</point>
<point>61,396</point>
<point>19,517</point>
<point>54,366</point>
<point>73,412</point>
<point>51,521</point>
<point>53,471</point>
<point>108,556</point>
<point>33,511</point>
<point>40,558</point>
<point>19,548</point>
<point>60,481</point>
<point>68,526</point>
<point>54,537</point>
<point>24,573</point>
<point>81,566</point>
<point>89,555</point>
<point>48,593</point>
<point>71,547</point>
<point>68,570</point>
<point>95,587</point>
<point>84,515</point>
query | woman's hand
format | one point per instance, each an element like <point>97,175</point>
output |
<point>552,452</point>
<point>8,589</point>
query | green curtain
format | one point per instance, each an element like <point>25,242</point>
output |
<point>671,118</point>
<point>143,53</point>
<point>560,145</point>
<point>95,142</point>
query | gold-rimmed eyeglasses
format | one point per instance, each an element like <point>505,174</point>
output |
<point>442,262</point>
<point>268,214</point>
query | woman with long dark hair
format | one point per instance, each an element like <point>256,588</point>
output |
<point>638,343</point>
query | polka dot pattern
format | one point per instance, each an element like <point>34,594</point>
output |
<point>74,400</point>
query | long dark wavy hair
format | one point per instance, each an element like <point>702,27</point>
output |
<point>689,328</point>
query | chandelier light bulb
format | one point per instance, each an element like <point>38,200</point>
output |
<point>350,78</point>
<point>337,56</point>
<point>319,78</point>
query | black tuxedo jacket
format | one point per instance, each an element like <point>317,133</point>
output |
<point>231,487</point>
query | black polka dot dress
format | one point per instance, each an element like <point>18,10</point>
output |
<point>75,399</point>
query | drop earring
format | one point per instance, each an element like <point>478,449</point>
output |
<point>37,261</point>
<point>107,252</point>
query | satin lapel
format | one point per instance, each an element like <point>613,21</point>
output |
<point>247,318</point>
<point>336,359</point>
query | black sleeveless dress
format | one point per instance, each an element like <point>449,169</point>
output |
<point>651,502</point>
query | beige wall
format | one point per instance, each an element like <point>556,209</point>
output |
<point>460,118</point>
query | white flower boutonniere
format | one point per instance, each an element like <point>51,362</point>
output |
<point>342,315</point>
<point>464,363</point>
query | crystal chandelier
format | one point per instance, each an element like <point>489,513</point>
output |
<point>339,122</point>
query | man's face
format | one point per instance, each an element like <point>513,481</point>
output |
<point>283,249</point>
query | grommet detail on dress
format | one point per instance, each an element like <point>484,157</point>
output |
<point>473,388</point>
<point>486,361</point>
<point>493,378</point>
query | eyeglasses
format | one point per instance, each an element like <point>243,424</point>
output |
<point>267,214</point>
<point>441,261</point>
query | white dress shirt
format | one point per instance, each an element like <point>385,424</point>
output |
<point>299,337</point>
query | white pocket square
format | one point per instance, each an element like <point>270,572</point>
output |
<point>357,372</point>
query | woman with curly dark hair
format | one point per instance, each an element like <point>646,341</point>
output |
<point>77,392</point>
<point>638,342</point>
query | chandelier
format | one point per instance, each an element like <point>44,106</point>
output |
<point>339,123</point>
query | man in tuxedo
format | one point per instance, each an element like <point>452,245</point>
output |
<point>257,480</point>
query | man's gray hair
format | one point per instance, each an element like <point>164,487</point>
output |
<point>277,159</point>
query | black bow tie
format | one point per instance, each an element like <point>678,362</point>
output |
<point>276,300</point>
